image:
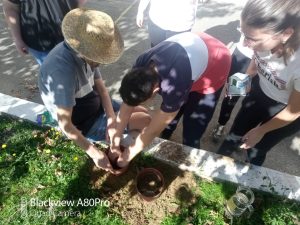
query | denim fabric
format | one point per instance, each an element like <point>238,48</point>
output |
<point>39,56</point>
<point>98,130</point>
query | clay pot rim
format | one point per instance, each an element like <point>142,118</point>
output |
<point>150,170</point>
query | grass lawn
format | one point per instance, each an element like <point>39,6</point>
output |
<point>38,167</point>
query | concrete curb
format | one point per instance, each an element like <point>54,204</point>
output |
<point>20,107</point>
<point>205,164</point>
<point>213,166</point>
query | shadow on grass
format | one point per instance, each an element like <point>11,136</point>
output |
<point>120,191</point>
<point>19,141</point>
<point>92,183</point>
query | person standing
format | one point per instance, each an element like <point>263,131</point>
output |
<point>167,17</point>
<point>35,25</point>
<point>241,58</point>
<point>270,113</point>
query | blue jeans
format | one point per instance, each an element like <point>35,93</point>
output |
<point>98,130</point>
<point>39,56</point>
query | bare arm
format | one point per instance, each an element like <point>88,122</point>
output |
<point>159,121</point>
<point>251,70</point>
<point>289,114</point>
<point>107,106</point>
<point>64,116</point>
<point>140,15</point>
<point>12,16</point>
<point>121,122</point>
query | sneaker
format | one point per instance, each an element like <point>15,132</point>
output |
<point>218,132</point>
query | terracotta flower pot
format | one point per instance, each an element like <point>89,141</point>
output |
<point>149,184</point>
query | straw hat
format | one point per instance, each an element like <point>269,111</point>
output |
<point>93,34</point>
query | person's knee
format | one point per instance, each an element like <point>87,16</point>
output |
<point>140,108</point>
<point>139,120</point>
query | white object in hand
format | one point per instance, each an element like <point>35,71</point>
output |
<point>239,84</point>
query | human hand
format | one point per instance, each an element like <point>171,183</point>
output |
<point>118,170</point>
<point>21,47</point>
<point>140,19</point>
<point>252,137</point>
<point>124,158</point>
<point>113,154</point>
<point>100,159</point>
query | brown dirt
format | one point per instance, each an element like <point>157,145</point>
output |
<point>121,192</point>
<point>149,184</point>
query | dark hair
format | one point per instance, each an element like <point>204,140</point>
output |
<point>137,86</point>
<point>275,16</point>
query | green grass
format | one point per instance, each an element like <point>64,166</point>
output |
<point>209,208</point>
<point>39,164</point>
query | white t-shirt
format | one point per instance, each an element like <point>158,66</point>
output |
<point>276,79</point>
<point>173,15</point>
<point>195,49</point>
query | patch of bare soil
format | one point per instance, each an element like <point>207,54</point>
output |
<point>121,191</point>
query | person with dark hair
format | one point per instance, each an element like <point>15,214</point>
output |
<point>35,25</point>
<point>188,70</point>
<point>71,84</point>
<point>138,86</point>
<point>270,112</point>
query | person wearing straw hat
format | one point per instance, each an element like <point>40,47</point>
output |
<point>71,86</point>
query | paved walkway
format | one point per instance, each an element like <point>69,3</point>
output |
<point>219,18</point>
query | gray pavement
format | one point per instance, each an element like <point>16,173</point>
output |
<point>219,18</point>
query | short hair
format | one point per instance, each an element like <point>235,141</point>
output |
<point>137,86</point>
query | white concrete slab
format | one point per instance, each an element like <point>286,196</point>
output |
<point>217,167</point>
<point>20,107</point>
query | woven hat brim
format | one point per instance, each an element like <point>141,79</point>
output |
<point>103,45</point>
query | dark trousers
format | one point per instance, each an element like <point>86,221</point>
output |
<point>257,108</point>
<point>158,35</point>
<point>197,112</point>
<point>239,63</point>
